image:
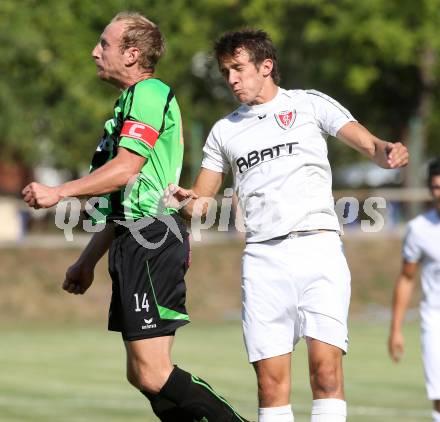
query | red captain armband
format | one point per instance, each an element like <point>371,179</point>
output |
<point>140,131</point>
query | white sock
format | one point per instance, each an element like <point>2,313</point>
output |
<point>329,410</point>
<point>275,414</point>
<point>435,416</point>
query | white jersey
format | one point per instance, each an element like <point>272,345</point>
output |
<point>278,155</point>
<point>422,244</point>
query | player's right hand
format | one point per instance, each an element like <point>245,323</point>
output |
<point>37,195</point>
<point>396,346</point>
<point>78,279</point>
<point>176,197</point>
<point>397,155</point>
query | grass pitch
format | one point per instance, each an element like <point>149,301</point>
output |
<point>76,374</point>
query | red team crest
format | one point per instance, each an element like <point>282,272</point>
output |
<point>285,118</point>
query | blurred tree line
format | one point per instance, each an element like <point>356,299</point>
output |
<point>378,57</point>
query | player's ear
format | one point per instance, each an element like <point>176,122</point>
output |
<point>131,56</point>
<point>266,67</point>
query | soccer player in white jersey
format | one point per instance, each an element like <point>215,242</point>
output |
<point>422,246</point>
<point>295,278</point>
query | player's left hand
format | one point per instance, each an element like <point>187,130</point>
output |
<point>396,346</point>
<point>79,277</point>
<point>177,197</point>
<point>37,195</point>
<point>397,155</point>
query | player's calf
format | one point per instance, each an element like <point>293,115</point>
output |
<point>166,410</point>
<point>196,397</point>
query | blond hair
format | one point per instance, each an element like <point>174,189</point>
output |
<point>143,34</point>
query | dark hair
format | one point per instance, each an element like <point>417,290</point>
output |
<point>433,170</point>
<point>255,41</point>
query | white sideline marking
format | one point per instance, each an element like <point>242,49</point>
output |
<point>376,411</point>
<point>125,403</point>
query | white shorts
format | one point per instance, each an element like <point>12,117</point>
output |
<point>431,351</point>
<point>294,288</point>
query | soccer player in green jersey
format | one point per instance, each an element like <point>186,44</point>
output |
<point>139,154</point>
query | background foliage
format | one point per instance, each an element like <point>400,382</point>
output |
<point>379,58</point>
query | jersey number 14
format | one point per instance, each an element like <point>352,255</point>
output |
<point>141,305</point>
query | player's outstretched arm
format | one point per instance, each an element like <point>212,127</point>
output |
<point>79,276</point>
<point>402,294</point>
<point>385,154</point>
<point>108,178</point>
<point>191,202</point>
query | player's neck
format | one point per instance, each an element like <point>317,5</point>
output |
<point>134,79</point>
<point>268,92</point>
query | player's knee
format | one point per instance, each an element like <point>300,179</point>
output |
<point>326,379</point>
<point>132,378</point>
<point>272,387</point>
<point>146,382</point>
<point>148,379</point>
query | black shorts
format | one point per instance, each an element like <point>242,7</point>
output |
<point>148,286</point>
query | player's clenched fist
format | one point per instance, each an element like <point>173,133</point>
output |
<point>78,279</point>
<point>37,195</point>
<point>397,155</point>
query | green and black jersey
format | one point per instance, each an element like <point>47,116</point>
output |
<point>146,120</point>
